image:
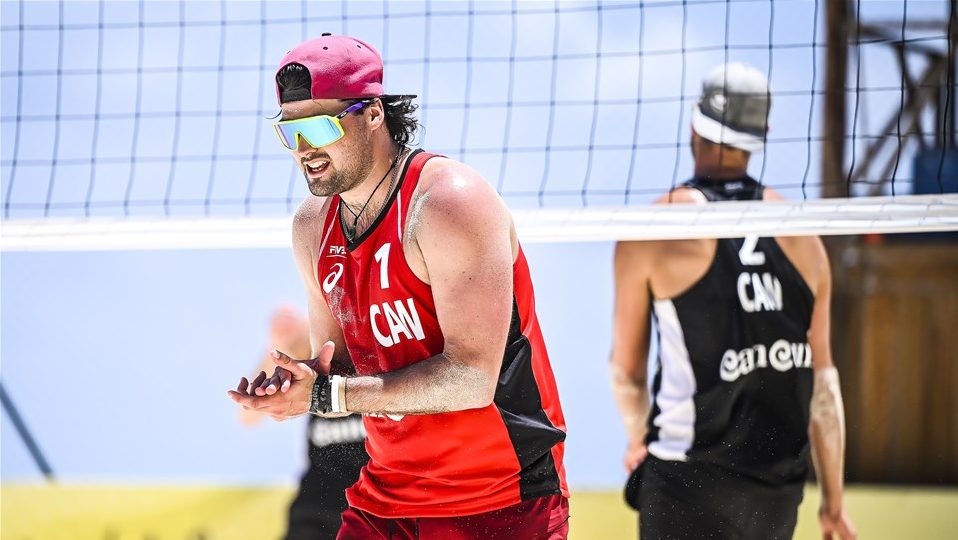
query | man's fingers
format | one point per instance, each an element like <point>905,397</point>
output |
<point>264,387</point>
<point>242,386</point>
<point>635,454</point>
<point>257,384</point>
<point>270,386</point>
<point>283,379</point>
<point>325,358</point>
<point>299,370</point>
<point>242,399</point>
<point>255,403</point>
<point>280,358</point>
<point>277,381</point>
<point>284,361</point>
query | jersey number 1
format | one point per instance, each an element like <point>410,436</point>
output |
<point>382,257</point>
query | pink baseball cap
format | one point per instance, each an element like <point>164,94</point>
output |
<point>341,67</point>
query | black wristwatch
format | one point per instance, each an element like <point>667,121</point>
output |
<point>322,398</point>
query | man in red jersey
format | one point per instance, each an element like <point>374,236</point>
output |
<point>422,318</point>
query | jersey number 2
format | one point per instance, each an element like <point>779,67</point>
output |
<point>747,254</point>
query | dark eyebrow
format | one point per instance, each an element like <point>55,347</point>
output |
<point>281,117</point>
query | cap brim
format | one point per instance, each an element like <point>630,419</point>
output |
<point>719,133</point>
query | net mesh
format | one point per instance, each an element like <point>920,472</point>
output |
<point>147,110</point>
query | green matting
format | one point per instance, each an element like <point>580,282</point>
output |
<point>39,512</point>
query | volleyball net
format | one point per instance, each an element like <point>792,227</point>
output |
<point>126,121</point>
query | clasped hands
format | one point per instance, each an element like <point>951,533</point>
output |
<point>287,393</point>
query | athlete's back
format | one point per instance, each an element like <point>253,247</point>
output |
<point>734,380</point>
<point>745,383</point>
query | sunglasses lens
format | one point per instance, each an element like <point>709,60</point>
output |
<point>318,131</point>
<point>287,136</point>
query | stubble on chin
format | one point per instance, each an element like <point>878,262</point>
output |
<point>341,180</point>
<point>333,184</point>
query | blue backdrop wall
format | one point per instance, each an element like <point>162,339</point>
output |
<point>119,362</point>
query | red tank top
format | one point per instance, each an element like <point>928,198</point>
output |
<point>448,464</point>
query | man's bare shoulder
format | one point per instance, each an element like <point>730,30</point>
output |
<point>454,209</point>
<point>452,178</point>
<point>807,253</point>
<point>637,252</point>
<point>769,194</point>
<point>450,191</point>
<point>681,195</point>
<point>309,217</point>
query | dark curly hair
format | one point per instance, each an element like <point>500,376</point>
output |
<point>401,118</point>
<point>295,82</point>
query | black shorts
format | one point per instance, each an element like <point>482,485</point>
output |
<point>679,500</point>
<point>316,511</point>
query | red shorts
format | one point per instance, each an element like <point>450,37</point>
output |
<point>544,518</point>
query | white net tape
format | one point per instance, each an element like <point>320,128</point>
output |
<point>904,214</point>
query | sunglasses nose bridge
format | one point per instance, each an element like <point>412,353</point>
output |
<point>303,145</point>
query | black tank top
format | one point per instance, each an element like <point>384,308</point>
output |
<point>733,382</point>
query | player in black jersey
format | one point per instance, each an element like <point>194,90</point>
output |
<point>744,385</point>
<point>336,447</point>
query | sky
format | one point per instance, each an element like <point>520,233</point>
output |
<point>119,361</point>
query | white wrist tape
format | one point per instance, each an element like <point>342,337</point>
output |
<point>338,389</point>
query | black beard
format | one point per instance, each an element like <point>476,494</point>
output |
<point>347,178</point>
<point>337,182</point>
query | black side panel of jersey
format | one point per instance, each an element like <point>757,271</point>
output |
<point>745,327</point>
<point>532,433</point>
<point>652,432</point>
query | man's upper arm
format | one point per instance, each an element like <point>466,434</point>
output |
<point>307,226</point>
<point>820,328</point>
<point>631,325</point>
<point>463,234</point>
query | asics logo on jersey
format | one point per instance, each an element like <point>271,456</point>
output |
<point>759,293</point>
<point>333,277</point>
<point>781,356</point>
<point>392,321</point>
